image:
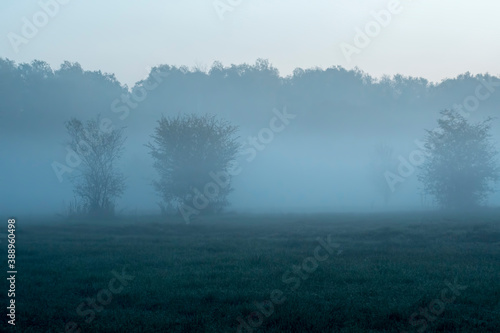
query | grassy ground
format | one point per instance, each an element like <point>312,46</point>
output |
<point>385,273</point>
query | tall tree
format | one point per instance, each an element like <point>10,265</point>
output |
<point>98,147</point>
<point>190,152</point>
<point>462,166</point>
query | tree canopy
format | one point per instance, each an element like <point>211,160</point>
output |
<point>190,152</point>
<point>462,165</point>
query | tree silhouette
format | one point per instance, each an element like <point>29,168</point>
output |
<point>383,160</point>
<point>462,167</point>
<point>189,152</point>
<point>98,182</point>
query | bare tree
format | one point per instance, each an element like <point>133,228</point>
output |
<point>383,160</point>
<point>462,166</point>
<point>98,182</point>
<point>188,151</point>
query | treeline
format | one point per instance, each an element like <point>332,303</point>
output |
<point>333,98</point>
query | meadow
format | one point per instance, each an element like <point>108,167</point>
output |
<point>383,272</point>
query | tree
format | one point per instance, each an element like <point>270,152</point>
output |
<point>98,148</point>
<point>190,152</point>
<point>461,167</point>
<point>383,161</point>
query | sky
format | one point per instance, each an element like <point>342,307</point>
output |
<point>424,38</point>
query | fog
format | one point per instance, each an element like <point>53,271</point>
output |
<point>250,165</point>
<point>308,139</point>
<point>314,91</point>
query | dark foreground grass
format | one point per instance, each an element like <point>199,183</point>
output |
<point>389,273</point>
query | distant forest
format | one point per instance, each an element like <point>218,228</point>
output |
<point>243,92</point>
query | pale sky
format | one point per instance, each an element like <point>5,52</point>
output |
<point>427,38</point>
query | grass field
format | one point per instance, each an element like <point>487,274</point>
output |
<point>412,272</point>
